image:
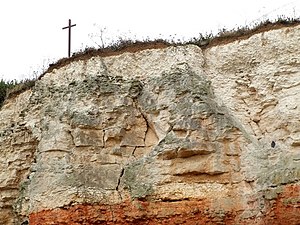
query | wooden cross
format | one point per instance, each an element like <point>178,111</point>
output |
<point>69,27</point>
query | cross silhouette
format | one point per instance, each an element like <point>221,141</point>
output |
<point>69,27</point>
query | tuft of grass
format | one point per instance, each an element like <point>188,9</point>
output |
<point>121,45</point>
<point>4,87</point>
<point>203,41</point>
<point>20,87</point>
<point>225,36</point>
<point>12,88</point>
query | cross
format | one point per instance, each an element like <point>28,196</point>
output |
<point>69,27</point>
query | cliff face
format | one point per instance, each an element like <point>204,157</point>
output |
<point>177,135</point>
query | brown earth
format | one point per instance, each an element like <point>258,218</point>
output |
<point>136,46</point>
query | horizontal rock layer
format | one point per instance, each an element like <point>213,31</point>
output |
<point>177,135</point>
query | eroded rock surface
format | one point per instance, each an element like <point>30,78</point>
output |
<point>162,136</point>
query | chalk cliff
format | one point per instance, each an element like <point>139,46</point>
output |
<point>176,135</point>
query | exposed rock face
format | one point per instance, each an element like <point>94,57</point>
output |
<point>163,136</point>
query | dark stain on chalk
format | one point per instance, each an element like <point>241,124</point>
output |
<point>273,144</point>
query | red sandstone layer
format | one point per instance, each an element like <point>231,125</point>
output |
<point>284,210</point>
<point>136,212</point>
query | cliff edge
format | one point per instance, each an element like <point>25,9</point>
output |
<point>177,135</point>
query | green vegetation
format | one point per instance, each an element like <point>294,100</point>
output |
<point>14,87</point>
<point>4,87</point>
<point>203,40</point>
<point>121,44</point>
<point>225,36</point>
<point>125,44</point>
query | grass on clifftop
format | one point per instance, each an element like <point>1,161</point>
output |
<point>13,88</point>
<point>203,41</point>
<point>4,87</point>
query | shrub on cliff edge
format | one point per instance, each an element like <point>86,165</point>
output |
<point>14,87</point>
<point>4,86</point>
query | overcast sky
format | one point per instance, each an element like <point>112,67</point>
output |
<point>32,36</point>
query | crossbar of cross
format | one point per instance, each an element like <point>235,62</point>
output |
<point>69,43</point>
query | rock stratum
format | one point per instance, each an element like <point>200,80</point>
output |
<point>177,135</point>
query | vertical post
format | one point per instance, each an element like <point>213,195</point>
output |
<point>69,41</point>
<point>69,46</point>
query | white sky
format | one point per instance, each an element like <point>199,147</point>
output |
<point>32,36</point>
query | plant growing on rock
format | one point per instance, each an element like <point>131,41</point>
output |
<point>13,87</point>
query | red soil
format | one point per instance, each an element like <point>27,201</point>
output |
<point>283,210</point>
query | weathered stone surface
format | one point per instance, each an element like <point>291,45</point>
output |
<point>177,135</point>
<point>87,137</point>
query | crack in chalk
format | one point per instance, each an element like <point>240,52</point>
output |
<point>147,125</point>
<point>144,117</point>
<point>72,137</point>
<point>134,151</point>
<point>119,180</point>
<point>103,138</point>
